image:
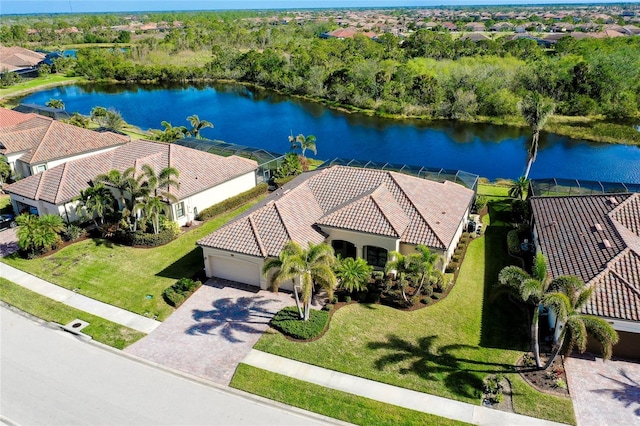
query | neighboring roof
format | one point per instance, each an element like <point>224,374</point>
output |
<point>10,118</point>
<point>56,114</point>
<point>596,238</point>
<point>349,33</point>
<point>198,170</point>
<point>44,139</point>
<point>13,58</point>
<point>379,202</point>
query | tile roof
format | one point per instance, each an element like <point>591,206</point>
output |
<point>15,57</point>
<point>416,211</point>
<point>198,170</point>
<point>596,238</point>
<point>9,117</point>
<point>44,139</point>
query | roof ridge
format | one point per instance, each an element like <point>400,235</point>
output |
<point>63,175</point>
<point>284,225</point>
<point>379,207</point>
<point>256,235</point>
<point>40,176</point>
<point>607,267</point>
<point>42,139</point>
<point>625,282</point>
<point>424,219</point>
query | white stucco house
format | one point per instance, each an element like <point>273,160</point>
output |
<point>32,143</point>
<point>361,212</point>
<point>205,179</point>
<point>597,239</point>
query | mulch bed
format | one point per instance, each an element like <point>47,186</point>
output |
<point>550,380</point>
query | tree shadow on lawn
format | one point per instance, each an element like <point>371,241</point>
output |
<point>187,266</point>
<point>504,323</point>
<point>430,362</point>
<point>231,316</point>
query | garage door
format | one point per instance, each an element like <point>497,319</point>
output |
<point>235,270</point>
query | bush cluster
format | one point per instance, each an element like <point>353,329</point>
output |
<point>513,242</point>
<point>181,290</point>
<point>233,202</point>
<point>140,238</point>
<point>288,322</point>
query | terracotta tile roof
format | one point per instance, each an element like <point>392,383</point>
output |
<point>364,200</point>
<point>15,57</point>
<point>44,139</point>
<point>596,238</point>
<point>198,170</point>
<point>9,117</point>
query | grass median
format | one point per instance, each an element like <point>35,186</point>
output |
<point>100,329</point>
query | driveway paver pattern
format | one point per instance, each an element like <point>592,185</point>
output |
<point>213,330</point>
<point>604,393</point>
<point>8,241</point>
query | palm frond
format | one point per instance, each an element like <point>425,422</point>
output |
<point>603,332</point>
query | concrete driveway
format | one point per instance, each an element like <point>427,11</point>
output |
<point>8,241</point>
<point>213,330</point>
<point>604,393</point>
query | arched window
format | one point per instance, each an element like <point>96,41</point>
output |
<point>344,248</point>
<point>375,256</point>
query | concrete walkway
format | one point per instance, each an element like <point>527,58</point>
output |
<point>78,301</point>
<point>401,397</point>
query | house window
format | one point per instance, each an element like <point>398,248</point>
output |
<point>376,256</point>
<point>344,248</point>
<point>180,209</point>
<point>39,169</point>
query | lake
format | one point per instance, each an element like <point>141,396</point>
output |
<point>264,119</point>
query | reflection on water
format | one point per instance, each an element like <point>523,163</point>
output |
<point>262,118</point>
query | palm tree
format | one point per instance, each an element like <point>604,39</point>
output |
<point>97,201</point>
<point>126,183</point>
<point>536,110</point>
<point>530,289</point>
<point>568,297</point>
<point>274,265</point>
<point>197,125</point>
<point>403,266</point>
<point>303,142</point>
<point>38,233</point>
<point>519,188</point>
<point>152,207</point>
<point>353,274</point>
<point>55,103</point>
<point>424,262</point>
<point>160,184</point>
<point>113,120</point>
<point>313,266</point>
<point>170,133</point>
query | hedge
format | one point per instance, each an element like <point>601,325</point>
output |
<point>140,238</point>
<point>180,291</point>
<point>513,242</point>
<point>233,202</point>
<point>288,322</point>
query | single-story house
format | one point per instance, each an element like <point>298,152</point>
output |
<point>596,238</point>
<point>360,212</point>
<point>32,143</point>
<point>205,179</point>
<point>17,59</point>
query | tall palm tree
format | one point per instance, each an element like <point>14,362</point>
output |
<point>55,103</point>
<point>304,142</point>
<point>312,265</point>
<point>152,207</point>
<point>197,125</point>
<point>530,289</point>
<point>425,261</point>
<point>519,188</point>
<point>170,133</point>
<point>275,266</point>
<point>160,184</point>
<point>97,201</point>
<point>127,184</point>
<point>536,110</point>
<point>353,274</point>
<point>403,266</point>
<point>568,297</point>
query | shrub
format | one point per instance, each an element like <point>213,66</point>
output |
<point>72,232</point>
<point>288,322</point>
<point>479,202</point>
<point>452,267</point>
<point>455,258</point>
<point>233,202</point>
<point>513,242</point>
<point>347,298</point>
<point>328,307</point>
<point>373,297</point>
<point>181,290</point>
<point>427,290</point>
<point>140,238</point>
<point>426,300</point>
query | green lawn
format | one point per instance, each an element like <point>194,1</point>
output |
<point>5,204</point>
<point>493,190</point>
<point>131,278</point>
<point>100,329</point>
<point>445,349</point>
<point>37,84</point>
<point>338,405</point>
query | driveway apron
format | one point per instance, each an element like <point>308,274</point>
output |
<point>213,330</point>
<point>8,241</point>
<point>604,393</point>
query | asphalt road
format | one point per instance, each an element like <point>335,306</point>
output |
<point>50,377</point>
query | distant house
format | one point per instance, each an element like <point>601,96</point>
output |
<point>205,179</point>
<point>32,143</point>
<point>475,37</point>
<point>18,59</point>
<point>360,212</point>
<point>343,33</point>
<point>596,238</point>
<point>475,26</point>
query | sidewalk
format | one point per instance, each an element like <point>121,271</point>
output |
<point>78,301</point>
<point>401,397</point>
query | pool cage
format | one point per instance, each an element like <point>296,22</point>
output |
<point>559,187</point>
<point>268,162</point>
<point>466,179</point>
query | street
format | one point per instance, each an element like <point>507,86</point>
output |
<point>51,377</point>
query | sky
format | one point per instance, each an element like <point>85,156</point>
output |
<point>84,6</point>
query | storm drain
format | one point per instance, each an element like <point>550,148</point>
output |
<point>75,326</point>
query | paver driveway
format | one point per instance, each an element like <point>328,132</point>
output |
<point>213,330</point>
<point>8,241</point>
<point>604,393</point>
